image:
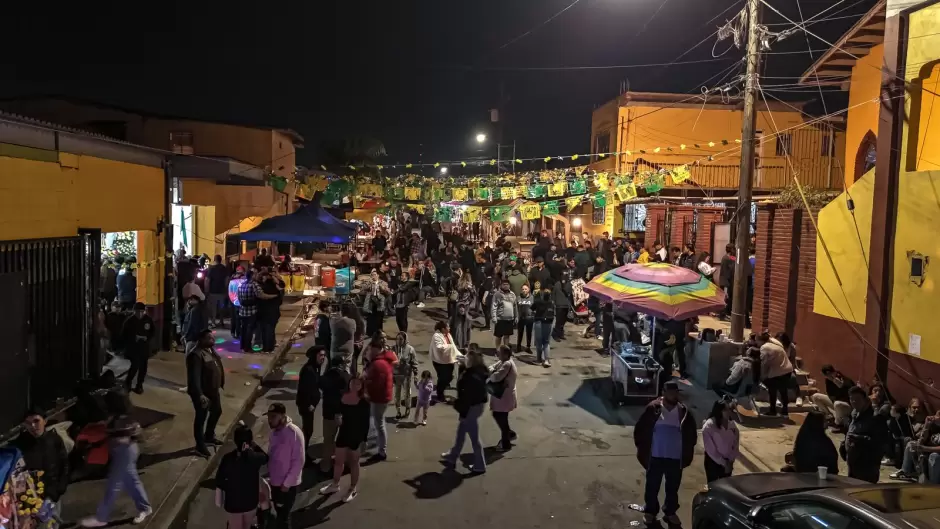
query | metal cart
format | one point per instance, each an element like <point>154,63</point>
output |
<point>634,374</point>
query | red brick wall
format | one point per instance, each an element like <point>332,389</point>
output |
<point>681,219</point>
<point>759,313</point>
<point>654,214</point>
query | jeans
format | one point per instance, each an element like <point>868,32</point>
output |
<point>909,466</point>
<point>212,306</point>
<point>246,334</point>
<point>714,470</point>
<point>598,323</point>
<point>139,355</point>
<point>608,330</point>
<point>283,504</point>
<point>840,411</point>
<point>506,433</point>
<point>469,425</point>
<point>487,312</point>
<point>445,374</point>
<point>268,340</point>
<point>378,422</point>
<point>524,326</point>
<point>461,331</point>
<point>235,324</point>
<point>543,340</point>
<point>122,474</point>
<point>561,318</point>
<point>206,419</point>
<point>401,318</point>
<point>403,386</point>
<point>657,469</point>
<point>777,386</point>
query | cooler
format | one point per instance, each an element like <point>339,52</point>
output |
<point>327,277</point>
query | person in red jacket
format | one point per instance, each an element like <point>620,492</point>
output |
<point>379,388</point>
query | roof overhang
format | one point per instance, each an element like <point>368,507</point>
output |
<point>834,67</point>
<point>699,101</point>
<point>223,171</point>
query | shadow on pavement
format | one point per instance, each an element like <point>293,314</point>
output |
<point>434,485</point>
<point>594,397</point>
<point>316,513</point>
<point>147,460</point>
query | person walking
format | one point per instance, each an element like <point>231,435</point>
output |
<point>238,483</point>
<point>525,317</point>
<point>343,334</point>
<point>308,390</point>
<point>122,473</point>
<point>205,378</point>
<point>470,403</point>
<point>543,310</point>
<point>866,439</point>
<point>505,303</point>
<point>444,355</point>
<point>333,384</point>
<point>406,374</point>
<point>501,384</point>
<point>136,335</point>
<point>379,390</point>
<point>721,439</point>
<point>353,421</point>
<point>665,438</point>
<point>217,283</point>
<point>286,458</point>
<point>561,296</point>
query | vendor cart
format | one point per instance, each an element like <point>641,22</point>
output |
<point>634,374</point>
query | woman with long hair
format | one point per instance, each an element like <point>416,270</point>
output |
<point>813,448</point>
<point>466,298</point>
<point>721,439</point>
<point>502,386</point>
<point>703,266</point>
<point>353,421</point>
<point>471,400</point>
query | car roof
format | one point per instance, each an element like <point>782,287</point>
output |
<point>904,504</point>
<point>767,484</point>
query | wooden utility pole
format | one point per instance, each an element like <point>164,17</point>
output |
<point>742,269</point>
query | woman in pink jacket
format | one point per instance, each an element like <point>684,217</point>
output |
<point>502,386</point>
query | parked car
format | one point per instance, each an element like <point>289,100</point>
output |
<point>803,501</point>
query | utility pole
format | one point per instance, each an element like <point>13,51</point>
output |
<point>748,145</point>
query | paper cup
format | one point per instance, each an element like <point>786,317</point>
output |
<point>822,471</point>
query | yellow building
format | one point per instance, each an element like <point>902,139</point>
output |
<point>662,131</point>
<point>884,232</point>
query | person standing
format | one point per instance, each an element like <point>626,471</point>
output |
<point>353,421</point>
<point>466,298</point>
<point>43,451</point>
<point>205,378</point>
<point>373,305</point>
<point>269,310</point>
<point>406,372</point>
<point>444,355</point>
<point>866,439</point>
<point>108,287</point>
<point>502,385</point>
<point>194,322</point>
<point>517,279</point>
<point>343,334</point>
<point>721,439</point>
<point>471,400</point>
<point>322,334</point>
<point>122,473</point>
<point>238,480</point>
<point>137,333</point>
<point>379,389</point>
<point>249,297</point>
<point>286,459</point>
<point>524,312</point>
<point>485,295</point>
<point>127,287</point>
<point>726,279</point>
<point>308,389</point>
<point>561,296</point>
<point>543,309</point>
<point>405,294</point>
<point>665,438</point>
<point>505,303</point>
<point>333,384</point>
<point>776,371</point>
<point>218,291</point>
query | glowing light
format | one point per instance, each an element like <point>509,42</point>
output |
<point>443,170</point>
<point>254,366</point>
<point>256,348</point>
<point>481,137</point>
<point>219,340</point>
<point>229,357</point>
<point>298,345</point>
<point>576,222</point>
<point>512,220</point>
<point>198,275</point>
<point>290,372</point>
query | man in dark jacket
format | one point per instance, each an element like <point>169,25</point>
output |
<point>322,334</point>
<point>665,438</point>
<point>238,479</point>
<point>539,274</point>
<point>561,295</point>
<point>308,389</point>
<point>582,261</point>
<point>195,321</point>
<point>43,450</point>
<point>205,379</point>
<point>726,278</point>
<point>866,440</point>
<point>136,334</point>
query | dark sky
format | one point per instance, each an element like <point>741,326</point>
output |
<point>418,75</point>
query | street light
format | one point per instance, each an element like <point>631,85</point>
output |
<point>481,137</point>
<point>576,222</point>
<point>443,170</point>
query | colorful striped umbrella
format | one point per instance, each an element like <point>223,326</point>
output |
<point>658,289</point>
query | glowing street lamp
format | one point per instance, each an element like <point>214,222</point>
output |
<point>443,170</point>
<point>576,222</point>
<point>481,137</point>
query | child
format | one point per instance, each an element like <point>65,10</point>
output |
<point>425,389</point>
<point>406,370</point>
<point>239,487</point>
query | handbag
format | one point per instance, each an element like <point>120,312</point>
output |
<point>496,389</point>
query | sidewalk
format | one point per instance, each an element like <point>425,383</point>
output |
<point>168,467</point>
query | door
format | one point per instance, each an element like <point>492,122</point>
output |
<point>14,362</point>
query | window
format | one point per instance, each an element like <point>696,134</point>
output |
<point>784,144</point>
<point>807,516</point>
<point>181,142</point>
<point>866,156</point>
<point>602,143</point>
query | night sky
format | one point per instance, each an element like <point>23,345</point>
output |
<point>418,75</point>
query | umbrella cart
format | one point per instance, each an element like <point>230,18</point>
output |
<point>658,290</point>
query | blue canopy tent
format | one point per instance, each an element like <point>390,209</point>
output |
<point>310,223</point>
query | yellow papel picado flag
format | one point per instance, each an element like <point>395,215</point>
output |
<point>530,211</point>
<point>472,214</point>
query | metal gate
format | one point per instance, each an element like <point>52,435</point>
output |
<point>54,286</point>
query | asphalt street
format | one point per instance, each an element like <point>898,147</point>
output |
<point>574,464</point>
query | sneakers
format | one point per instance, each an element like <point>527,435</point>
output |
<point>477,471</point>
<point>420,305</point>
<point>546,364</point>
<point>141,516</point>
<point>445,460</point>
<point>900,475</point>
<point>203,451</point>
<point>672,520</point>
<point>424,422</point>
<point>92,522</point>
<point>351,495</point>
<point>213,440</point>
<point>330,489</point>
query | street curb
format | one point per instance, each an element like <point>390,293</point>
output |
<point>179,496</point>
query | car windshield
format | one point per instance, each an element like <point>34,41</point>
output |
<point>918,506</point>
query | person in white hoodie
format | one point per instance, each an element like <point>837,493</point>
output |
<point>444,355</point>
<point>776,370</point>
<point>721,439</point>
